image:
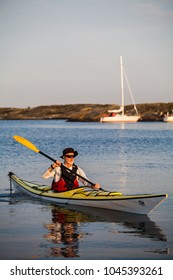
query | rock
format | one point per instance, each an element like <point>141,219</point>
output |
<point>84,112</point>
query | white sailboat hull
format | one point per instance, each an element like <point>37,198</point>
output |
<point>168,119</point>
<point>119,118</point>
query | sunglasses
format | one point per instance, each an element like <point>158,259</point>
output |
<point>70,156</point>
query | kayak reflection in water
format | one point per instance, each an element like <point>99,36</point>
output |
<point>64,179</point>
<point>63,233</point>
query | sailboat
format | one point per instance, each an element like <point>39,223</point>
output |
<point>119,115</point>
<point>168,117</point>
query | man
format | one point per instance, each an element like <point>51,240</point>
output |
<point>64,179</point>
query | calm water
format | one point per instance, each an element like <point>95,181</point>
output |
<point>132,158</point>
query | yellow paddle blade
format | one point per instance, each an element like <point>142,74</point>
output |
<point>26,143</point>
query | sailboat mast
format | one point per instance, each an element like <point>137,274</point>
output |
<point>122,84</point>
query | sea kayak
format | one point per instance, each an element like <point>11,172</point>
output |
<point>85,196</point>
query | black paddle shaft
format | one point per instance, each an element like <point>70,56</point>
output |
<point>52,159</point>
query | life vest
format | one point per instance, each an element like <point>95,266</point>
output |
<point>68,180</point>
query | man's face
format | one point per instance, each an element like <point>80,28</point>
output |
<point>69,158</point>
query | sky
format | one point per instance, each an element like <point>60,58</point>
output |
<point>68,51</point>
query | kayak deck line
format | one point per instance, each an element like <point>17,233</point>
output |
<point>83,196</point>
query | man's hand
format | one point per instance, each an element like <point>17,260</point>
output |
<point>56,164</point>
<point>96,186</point>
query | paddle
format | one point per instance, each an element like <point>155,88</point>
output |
<point>32,147</point>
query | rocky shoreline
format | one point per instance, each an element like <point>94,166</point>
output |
<point>84,112</point>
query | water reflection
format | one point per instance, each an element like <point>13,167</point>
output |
<point>66,226</point>
<point>64,232</point>
<point>139,225</point>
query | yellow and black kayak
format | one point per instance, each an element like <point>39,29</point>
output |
<point>85,196</point>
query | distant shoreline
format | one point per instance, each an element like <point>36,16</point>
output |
<point>84,112</point>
